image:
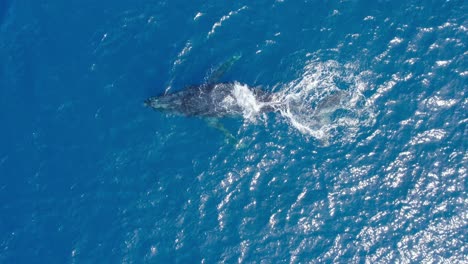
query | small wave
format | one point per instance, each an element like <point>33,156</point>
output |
<point>224,18</point>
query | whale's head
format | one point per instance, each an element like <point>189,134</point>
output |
<point>163,103</point>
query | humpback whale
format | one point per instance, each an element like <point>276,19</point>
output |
<point>215,100</point>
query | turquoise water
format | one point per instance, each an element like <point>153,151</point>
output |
<point>376,174</point>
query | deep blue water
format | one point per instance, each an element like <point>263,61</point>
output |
<point>89,175</point>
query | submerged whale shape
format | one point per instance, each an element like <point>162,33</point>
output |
<point>215,100</point>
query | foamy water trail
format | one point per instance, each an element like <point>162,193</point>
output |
<point>326,102</point>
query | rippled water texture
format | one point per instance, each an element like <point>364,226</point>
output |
<point>365,160</point>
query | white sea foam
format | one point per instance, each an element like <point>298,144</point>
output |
<point>326,102</point>
<point>245,98</point>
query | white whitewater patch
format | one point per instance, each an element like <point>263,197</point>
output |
<point>224,18</point>
<point>327,102</point>
<point>245,98</point>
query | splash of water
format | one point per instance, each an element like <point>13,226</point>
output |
<point>247,101</point>
<point>326,102</point>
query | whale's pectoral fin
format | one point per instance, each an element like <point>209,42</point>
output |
<point>214,122</point>
<point>219,72</point>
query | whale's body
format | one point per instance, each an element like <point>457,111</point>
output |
<point>214,100</point>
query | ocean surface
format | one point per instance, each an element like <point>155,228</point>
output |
<point>365,162</point>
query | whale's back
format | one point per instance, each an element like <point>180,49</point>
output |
<point>214,100</point>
